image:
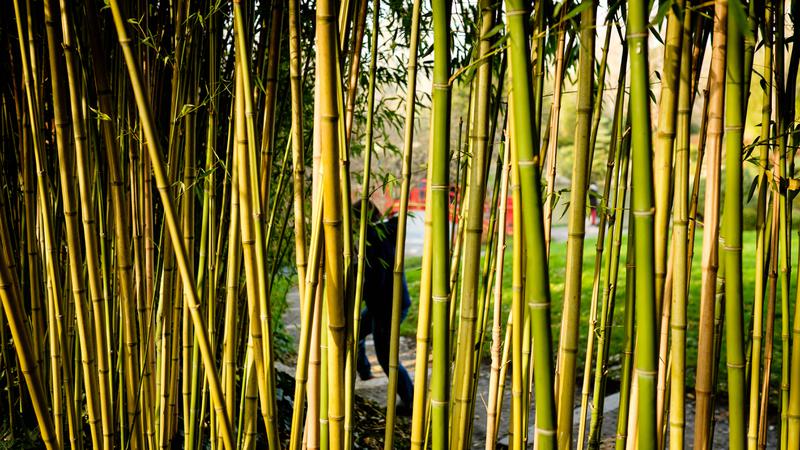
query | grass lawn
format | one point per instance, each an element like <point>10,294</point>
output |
<point>557,275</point>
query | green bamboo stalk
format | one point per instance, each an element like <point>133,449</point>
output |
<point>408,138</point>
<point>734,130</point>
<point>309,306</point>
<point>229,336</point>
<point>680,220</point>
<point>311,438</point>
<point>517,314</point>
<point>54,302</point>
<point>473,223</point>
<point>494,377</point>
<point>439,187</point>
<point>642,212</point>
<point>664,146</point>
<point>187,225</point>
<point>352,350</point>
<point>549,158</point>
<point>419,416</point>
<point>770,319</point>
<point>761,240</point>
<point>298,158</point>
<point>622,143</point>
<point>781,120</point>
<point>753,429</point>
<point>270,98</point>
<point>570,316</point>
<point>355,67</point>
<point>324,386</point>
<point>626,381</point>
<point>599,90</point>
<point>537,292</point>
<point>606,215</point>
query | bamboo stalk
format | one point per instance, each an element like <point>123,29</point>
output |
<point>327,95</point>
<point>703,386</point>
<point>180,252</point>
<point>570,316</point>
<point>439,187</point>
<point>734,316</point>
<point>642,212</point>
<point>537,289</point>
<point>494,377</point>
<point>473,222</point>
<point>78,289</point>
<point>680,220</point>
<point>762,263</point>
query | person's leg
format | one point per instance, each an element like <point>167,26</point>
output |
<point>363,367</point>
<point>405,388</point>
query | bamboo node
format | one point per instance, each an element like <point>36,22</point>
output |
<point>517,12</point>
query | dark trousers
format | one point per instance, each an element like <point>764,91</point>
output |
<point>381,334</point>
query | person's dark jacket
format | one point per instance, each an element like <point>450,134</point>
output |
<point>378,271</point>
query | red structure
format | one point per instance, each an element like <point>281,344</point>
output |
<point>416,202</point>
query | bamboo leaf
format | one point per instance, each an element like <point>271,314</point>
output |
<point>662,11</point>
<point>577,10</point>
<point>753,186</point>
<point>738,13</point>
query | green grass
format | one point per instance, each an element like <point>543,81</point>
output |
<point>557,274</point>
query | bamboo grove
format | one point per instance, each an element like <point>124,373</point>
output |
<point>165,165</point>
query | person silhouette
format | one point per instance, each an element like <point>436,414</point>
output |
<point>376,317</point>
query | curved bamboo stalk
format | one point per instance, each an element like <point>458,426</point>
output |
<point>172,225</point>
<point>27,364</point>
<point>255,217</point>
